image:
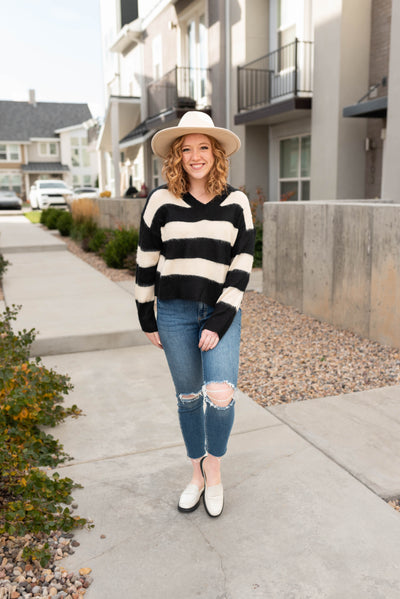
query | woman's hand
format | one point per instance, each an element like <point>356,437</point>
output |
<point>155,339</point>
<point>208,340</point>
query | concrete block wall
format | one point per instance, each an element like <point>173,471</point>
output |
<point>119,212</point>
<point>338,262</point>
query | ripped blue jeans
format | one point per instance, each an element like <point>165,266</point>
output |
<point>205,425</point>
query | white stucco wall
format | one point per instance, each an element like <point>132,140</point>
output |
<point>341,69</point>
<point>391,151</point>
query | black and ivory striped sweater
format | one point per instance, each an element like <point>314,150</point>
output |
<point>194,251</point>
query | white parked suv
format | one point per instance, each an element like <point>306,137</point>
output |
<point>49,192</point>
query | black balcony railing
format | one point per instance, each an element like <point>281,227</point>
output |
<point>182,86</point>
<point>286,71</point>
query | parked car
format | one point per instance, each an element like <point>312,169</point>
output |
<point>49,192</point>
<point>10,200</point>
<point>85,192</point>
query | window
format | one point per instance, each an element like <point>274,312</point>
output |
<point>85,157</point>
<point>11,181</point>
<point>294,168</point>
<point>79,153</point>
<point>87,180</point>
<point>75,180</point>
<point>48,149</point>
<point>286,33</point>
<point>10,152</point>
<point>195,51</point>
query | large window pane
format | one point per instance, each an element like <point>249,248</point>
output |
<point>75,157</point>
<point>289,191</point>
<point>53,149</point>
<point>4,182</point>
<point>305,156</point>
<point>14,152</point>
<point>305,191</point>
<point>286,12</point>
<point>16,183</point>
<point>289,158</point>
<point>191,36</point>
<point>3,152</point>
<point>203,55</point>
<point>86,157</point>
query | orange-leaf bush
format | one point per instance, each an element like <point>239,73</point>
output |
<point>31,501</point>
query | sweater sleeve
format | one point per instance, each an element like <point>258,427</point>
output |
<point>148,254</point>
<point>238,274</point>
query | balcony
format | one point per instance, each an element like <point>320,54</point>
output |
<point>270,83</point>
<point>182,87</point>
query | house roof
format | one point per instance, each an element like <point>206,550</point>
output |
<point>44,167</point>
<point>20,121</point>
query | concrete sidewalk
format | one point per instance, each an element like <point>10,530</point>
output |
<point>71,305</point>
<point>303,517</point>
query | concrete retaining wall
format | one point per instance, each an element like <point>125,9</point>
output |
<point>119,212</point>
<point>338,262</point>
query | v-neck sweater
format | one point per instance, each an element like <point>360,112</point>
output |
<point>194,251</point>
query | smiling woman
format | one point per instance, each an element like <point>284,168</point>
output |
<point>195,256</point>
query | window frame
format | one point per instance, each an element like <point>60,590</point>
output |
<point>8,152</point>
<point>299,179</point>
<point>82,155</point>
<point>11,176</point>
<point>198,17</point>
<point>47,152</point>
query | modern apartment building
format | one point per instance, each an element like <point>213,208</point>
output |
<point>160,59</point>
<point>310,87</point>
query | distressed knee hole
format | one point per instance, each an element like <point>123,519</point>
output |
<point>189,396</point>
<point>220,394</point>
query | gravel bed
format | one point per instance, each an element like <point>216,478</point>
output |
<point>288,356</point>
<point>26,580</point>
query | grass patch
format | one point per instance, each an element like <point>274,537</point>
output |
<point>33,216</point>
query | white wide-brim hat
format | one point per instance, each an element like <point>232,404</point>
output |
<point>194,121</point>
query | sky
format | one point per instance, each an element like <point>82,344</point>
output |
<point>53,47</point>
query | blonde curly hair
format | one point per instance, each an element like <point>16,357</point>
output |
<point>177,178</point>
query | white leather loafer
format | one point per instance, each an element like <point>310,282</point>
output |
<point>213,497</point>
<point>190,498</point>
<point>214,500</point>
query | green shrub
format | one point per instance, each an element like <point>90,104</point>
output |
<point>46,214</point>
<point>52,218</point>
<point>3,266</point>
<point>130,262</point>
<point>83,230</point>
<point>100,239</point>
<point>258,248</point>
<point>64,223</point>
<point>31,500</point>
<point>124,243</point>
